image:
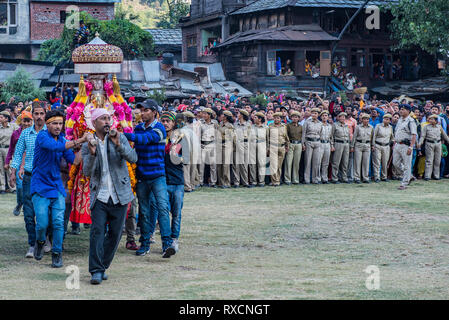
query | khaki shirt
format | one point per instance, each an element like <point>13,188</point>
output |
<point>227,134</point>
<point>362,133</point>
<point>6,133</point>
<point>294,131</point>
<point>434,133</point>
<point>383,134</point>
<point>208,131</point>
<point>326,132</point>
<point>405,128</point>
<point>311,129</point>
<point>340,132</point>
<point>242,130</point>
<point>277,135</point>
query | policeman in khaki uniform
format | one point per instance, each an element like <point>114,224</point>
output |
<point>226,137</point>
<point>361,145</point>
<point>242,130</point>
<point>260,132</point>
<point>431,135</point>
<point>190,167</point>
<point>208,146</point>
<point>382,140</point>
<point>279,144</point>
<point>405,138</point>
<point>311,133</point>
<point>326,148</point>
<point>6,131</point>
<point>340,142</point>
<point>293,157</point>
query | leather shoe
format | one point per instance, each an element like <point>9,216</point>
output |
<point>104,276</point>
<point>97,277</point>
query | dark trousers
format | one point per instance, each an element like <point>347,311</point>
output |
<point>28,211</point>
<point>104,243</point>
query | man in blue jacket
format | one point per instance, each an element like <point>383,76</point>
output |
<point>47,190</point>
<point>149,141</point>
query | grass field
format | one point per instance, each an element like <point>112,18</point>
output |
<point>290,242</point>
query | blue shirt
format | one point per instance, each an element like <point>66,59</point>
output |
<point>379,119</point>
<point>46,176</point>
<point>150,148</point>
<point>25,144</point>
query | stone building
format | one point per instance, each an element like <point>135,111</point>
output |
<point>14,29</point>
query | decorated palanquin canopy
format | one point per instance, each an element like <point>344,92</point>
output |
<point>97,57</point>
<point>98,60</point>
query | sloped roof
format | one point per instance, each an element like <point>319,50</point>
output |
<point>261,5</point>
<point>166,36</point>
<point>309,32</point>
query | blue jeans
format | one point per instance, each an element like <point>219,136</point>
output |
<point>28,211</point>
<point>19,190</point>
<point>54,208</point>
<point>176,198</point>
<point>154,205</point>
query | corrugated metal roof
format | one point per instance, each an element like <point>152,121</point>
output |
<point>309,32</point>
<point>166,36</point>
<point>37,72</point>
<point>262,5</point>
<point>151,70</point>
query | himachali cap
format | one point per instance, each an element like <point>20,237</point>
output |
<point>277,114</point>
<point>388,115</point>
<point>5,113</point>
<point>228,113</point>
<point>260,114</point>
<point>244,112</point>
<point>315,110</point>
<point>342,114</point>
<point>169,115</point>
<point>433,116</point>
<point>188,114</point>
<point>324,112</point>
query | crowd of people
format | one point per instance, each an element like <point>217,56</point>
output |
<point>204,141</point>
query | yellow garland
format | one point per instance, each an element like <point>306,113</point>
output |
<point>132,175</point>
<point>72,175</point>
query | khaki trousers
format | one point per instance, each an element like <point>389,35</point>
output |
<point>381,155</point>
<point>362,152</point>
<point>3,154</point>
<point>189,183</point>
<point>258,163</point>
<point>292,160</point>
<point>240,167</point>
<point>208,155</point>
<point>224,166</point>
<point>325,154</point>
<point>312,161</point>
<point>277,155</point>
<point>433,160</point>
<point>403,162</point>
<point>340,160</point>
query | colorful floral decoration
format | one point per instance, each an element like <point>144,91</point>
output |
<point>121,109</point>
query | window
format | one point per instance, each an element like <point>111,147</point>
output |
<point>62,16</point>
<point>8,16</point>
<point>191,41</point>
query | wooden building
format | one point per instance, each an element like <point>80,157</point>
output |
<point>251,36</point>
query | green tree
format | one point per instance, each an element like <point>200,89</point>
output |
<point>135,42</point>
<point>422,23</point>
<point>176,10</point>
<point>157,95</point>
<point>21,86</point>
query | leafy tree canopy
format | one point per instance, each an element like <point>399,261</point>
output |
<point>422,23</point>
<point>21,86</point>
<point>135,42</point>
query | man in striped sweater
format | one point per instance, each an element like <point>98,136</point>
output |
<point>149,140</point>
